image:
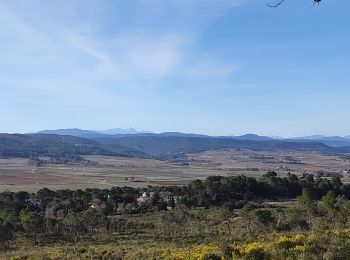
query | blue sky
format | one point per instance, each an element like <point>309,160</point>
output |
<point>206,66</point>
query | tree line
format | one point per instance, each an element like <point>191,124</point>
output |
<point>71,215</point>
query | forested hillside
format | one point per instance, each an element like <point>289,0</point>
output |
<point>18,145</point>
<point>160,145</point>
<point>143,146</point>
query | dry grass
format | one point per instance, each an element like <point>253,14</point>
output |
<point>17,173</point>
<point>239,161</point>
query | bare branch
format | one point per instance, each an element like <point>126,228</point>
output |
<point>276,5</point>
<point>316,2</point>
<point>281,1</point>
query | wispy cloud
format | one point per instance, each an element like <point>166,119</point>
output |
<point>131,57</point>
<point>203,6</point>
<point>68,58</point>
<point>150,55</point>
<point>211,68</point>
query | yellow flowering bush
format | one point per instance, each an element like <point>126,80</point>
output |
<point>200,252</point>
<point>285,242</point>
<point>253,250</point>
<point>299,238</point>
<point>298,249</point>
<point>271,247</point>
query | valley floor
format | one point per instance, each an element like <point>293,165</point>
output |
<point>18,174</point>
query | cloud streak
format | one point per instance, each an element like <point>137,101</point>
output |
<point>68,58</point>
<point>131,56</point>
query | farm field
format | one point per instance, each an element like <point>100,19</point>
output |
<point>247,161</point>
<point>18,174</point>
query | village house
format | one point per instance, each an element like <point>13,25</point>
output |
<point>98,204</point>
<point>145,199</point>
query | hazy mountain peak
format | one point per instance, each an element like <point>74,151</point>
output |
<point>253,137</point>
<point>118,131</point>
<point>68,131</point>
<point>94,133</point>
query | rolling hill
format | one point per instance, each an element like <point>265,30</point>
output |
<point>333,141</point>
<point>18,145</point>
<point>146,145</point>
<point>160,145</point>
<point>72,132</point>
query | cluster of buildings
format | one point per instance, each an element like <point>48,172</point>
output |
<point>147,200</point>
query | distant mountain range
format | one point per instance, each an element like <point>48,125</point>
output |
<point>323,137</point>
<point>73,132</point>
<point>253,137</point>
<point>335,141</point>
<point>33,145</point>
<point>143,144</point>
<point>123,131</point>
<point>94,133</point>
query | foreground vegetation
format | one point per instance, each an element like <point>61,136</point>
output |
<point>219,218</point>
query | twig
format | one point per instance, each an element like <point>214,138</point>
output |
<point>276,5</point>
